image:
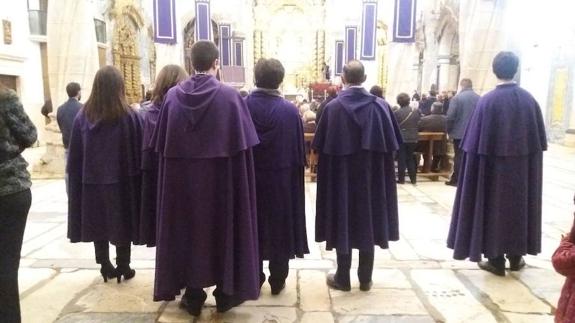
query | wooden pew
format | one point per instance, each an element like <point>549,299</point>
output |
<point>426,169</point>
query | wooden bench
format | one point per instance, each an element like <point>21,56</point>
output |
<point>428,155</point>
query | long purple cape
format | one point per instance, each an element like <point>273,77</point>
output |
<point>207,220</point>
<point>149,167</point>
<point>356,195</point>
<point>279,163</point>
<point>497,207</point>
<point>104,180</point>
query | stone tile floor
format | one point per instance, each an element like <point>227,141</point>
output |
<point>416,280</point>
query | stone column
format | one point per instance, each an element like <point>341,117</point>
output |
<point>72,57</point>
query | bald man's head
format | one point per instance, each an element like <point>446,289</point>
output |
<point>353,73</point>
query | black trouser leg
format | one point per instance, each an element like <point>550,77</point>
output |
<point>279,269</point>
<point>102,250</point>
<point>456,160</point>
<point>498,262</point>
<point>123,255</point>
<point>343,268</point>
<point>13,213</point>
<point>435,163</point>
<point>411,161</point>
<point>401,163</point>
<point>365,268</point>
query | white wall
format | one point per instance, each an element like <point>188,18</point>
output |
<point>22,59</point>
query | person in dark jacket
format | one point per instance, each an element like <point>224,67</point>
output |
<point>46,110</point>
<point>279,162</point>
<point>461,109</point>
<point>426,103</point>
<point>104,174</point>
<point>408,119</point>
<point>331,94</point>
<point>68,111</point>
<point>498,203</point>
<point>435,122</point>
<point>377,91</point>
<point>17,133</point>
<point>356,204</point>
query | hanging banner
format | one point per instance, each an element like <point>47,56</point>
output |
<point>404,21</point>
<point>369,30</point>
<point>339,48</point>
<point>203,20</point>
<point>165,21</point>
<point>225,45</point>
<point>350,43</point>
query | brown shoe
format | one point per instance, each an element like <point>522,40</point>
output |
<point>333,283</point>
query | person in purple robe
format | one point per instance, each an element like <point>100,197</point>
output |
<point>279,161</point>
<point>104,174</point>
<point>497,208</point>
<point>207,219</point>
<point>169,76</point>
<point>356,191</point>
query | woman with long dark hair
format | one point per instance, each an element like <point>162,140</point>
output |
<point>104,174</point>
<point>17,133</point>
<point>169,76</point>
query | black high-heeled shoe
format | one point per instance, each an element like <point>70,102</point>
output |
<point>127,272</point>
<point>108,271</point>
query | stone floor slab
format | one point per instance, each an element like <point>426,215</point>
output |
<point>544,283</point>
<point>506,292</point>
<point>250,314</point>
<point>317,317</point>
<point>313,292</point>
<point>30,277</point>
<point>390,278</point>
<point>377,302</point>
<point>447,294</point>
<point>385,319</point>
<point>49,301</point>
<point>529,318</point>
<point>108,318</point>
<point>134,295</point>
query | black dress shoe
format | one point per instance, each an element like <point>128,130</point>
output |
<point>277,288</point>
<point>516,263</point>
<point>451,184</point>
<point>488,266</point>
<point>365,287</point>
<point>225,303</point>
<point>193,305</point>
<point>333,283</point>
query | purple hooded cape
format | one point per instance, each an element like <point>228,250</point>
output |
<point>279,163</point>
<point>149,167</point>
<point>356,190</point>
<point>104,180</point>
<point>497,208</point>
<point>207,220</point>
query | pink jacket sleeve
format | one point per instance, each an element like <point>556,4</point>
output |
<point>564,259</point>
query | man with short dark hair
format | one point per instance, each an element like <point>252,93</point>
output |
<point>68,111</point>
<point>497,208</point>
<point>427,102</point>
<point>435,122</point>
<point>207,220</point>
<point>461,109</point>
<point>356,192</point>
<point>377,91</point>
<point>279,161</point>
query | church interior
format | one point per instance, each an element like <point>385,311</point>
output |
<point>406,46</point>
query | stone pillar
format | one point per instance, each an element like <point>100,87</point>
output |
<point>482,35</point>
<point>72,57</point>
